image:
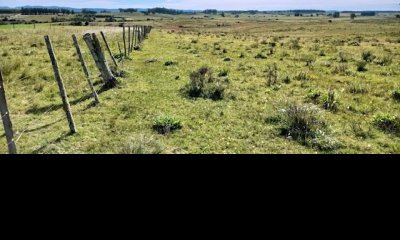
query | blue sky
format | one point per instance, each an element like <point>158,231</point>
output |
<point>218,4</point>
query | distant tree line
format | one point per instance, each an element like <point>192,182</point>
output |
<point>128,10</point>
<point>45,11</point>
<point>165,11</point>
<point>9,10</point>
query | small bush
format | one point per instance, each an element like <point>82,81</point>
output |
<point>286,79</point>
<point>387,123</point>
<point>169,63</point>
<point>384,61</point>
<point>300,122</point>
<point>396,95</point>
<point>308,59</point>
<point>367,56</point>
<point>294,44</point>
<point>260,56</point>
<point>361,66</point>
<point>343,57</point>
<point>302,76</point>
<point>342,69</point>
<point>166,124</point>
<point>203,84</point>
<point>330,102</point>
<point>313,96</point>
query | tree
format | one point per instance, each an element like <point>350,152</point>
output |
<point>222,14</point>
<point>336,14</point>
<point>352,16</point>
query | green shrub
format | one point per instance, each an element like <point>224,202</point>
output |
<point>396,95</point>
<point>367,56</point>
<point>260,56</point>
<point>361,66</point>
<point>342,69</point>
<point>203,84</point>
<point>300,122</point>
<point>331,102</point>
<point>343,57</point>
<point>302,76</point>
<point>313,96</point>
<point>384,61</point>
<point>294,44</point>
<point>387,123</point>
<point>308,59</point>
<point>166,124</point>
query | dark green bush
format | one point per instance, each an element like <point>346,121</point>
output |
<point>166,124</point>
<point>396,95</point>
<point>387,123</point>
<point>367,56</point>
<point>361,66</point>
<point>203,84</point>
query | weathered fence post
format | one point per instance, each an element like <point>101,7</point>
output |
<point>63,93</point>
<point>119,48</point>
<point>94,46</point>
<point>124,38</point>
<point>108,49</point>
<point>5,117</point>
<point>85,70</point>
<point>133,37</point>
<point>129,40</point>
<point>135,32</point>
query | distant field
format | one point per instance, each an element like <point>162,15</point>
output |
<point>342,74</point>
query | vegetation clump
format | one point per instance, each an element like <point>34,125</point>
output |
<point>331,101</point>
<point>303,124</point>
<point>387,123</point>
<point>142,145</point>
<point>166,124</point>
<point>203,84</point>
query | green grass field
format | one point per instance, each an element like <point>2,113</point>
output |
<point>356,61</point>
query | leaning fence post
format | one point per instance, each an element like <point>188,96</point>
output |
<point>85,70</point>
<point>63,93</point>
<point>108,49</point>
<point>5,117</point>
<point>94,46</point>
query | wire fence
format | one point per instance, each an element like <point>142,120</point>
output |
<point>138,33</point>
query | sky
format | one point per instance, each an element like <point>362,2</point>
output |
<point>218,4</point>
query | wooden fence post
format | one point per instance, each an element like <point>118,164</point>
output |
<point>124,38</point>
<point>94,46</point>
<point>133,36</point>
<point>5,117</point>
<point>129,40</point>
<point>135,32</point>
<point>85,70</point>
<point>63,93</point>
<point>108,49</point>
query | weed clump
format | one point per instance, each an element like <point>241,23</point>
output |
<point>367,56</point>
<point>303,124</point>
<point>361,66</point>
<point>203,84</point>
<point>166,124</point>
<point>396,95</point>
<point>331,101</point>
<point>387,123</point>
<point>141,145</point>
